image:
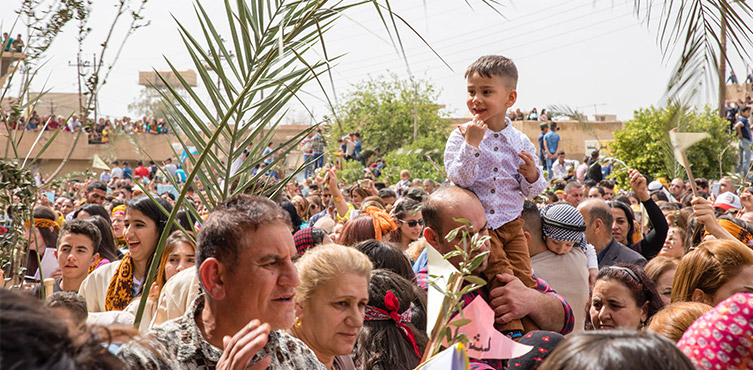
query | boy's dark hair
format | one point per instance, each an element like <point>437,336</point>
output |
<point>561,152</point>
<point>125,163</point>
<point>71,302</point>
<point>495,65</point>
<point>553,126</point>
<point>81,227</point>
<point>139,163</point>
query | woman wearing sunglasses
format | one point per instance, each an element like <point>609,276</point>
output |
<point>407,215</point>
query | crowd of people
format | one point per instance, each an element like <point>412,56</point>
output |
<point>99,131</point>
<point>15,45</point>
<point>328,274</point>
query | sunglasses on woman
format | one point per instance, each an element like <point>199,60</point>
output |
<point>413,223</point>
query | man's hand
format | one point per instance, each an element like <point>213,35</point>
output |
<point>241,347</point>
<point>528,168</point>
<point>474,132</point>
<point>746,199</point>
<point>638,183</point>
<point>512,300</point>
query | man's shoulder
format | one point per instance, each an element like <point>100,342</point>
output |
<point>623,254</point>
<point>288,352</point>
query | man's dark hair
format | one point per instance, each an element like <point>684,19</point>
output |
<point>600,190</point>
<point>151,163</point>
<point>115,162</point>
<point>702,183</point>
<point>125,163</point>
<point>226,231</point>
<point>607,184</point>
<point>589,182</point>
<point>71,302</point>
<point>553,126</point>
<point>532,219</point>
<point>126,187</point>
<point>96,184</point>
<point>561,152</point>
<point>139,163</point>
<point>495,65</point>
<point>81,227</point>
<point>387,193</point>
<point>93,209</point>
<point>595,155</point>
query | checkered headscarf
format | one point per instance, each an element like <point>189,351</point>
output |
<point>563,222</point>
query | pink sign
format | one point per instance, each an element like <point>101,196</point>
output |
<point>485,341</point>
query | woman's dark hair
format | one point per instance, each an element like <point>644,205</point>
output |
<point>356,230</point>
<point>295,218</point>
<point>380,344</point>
<point>107,247</point>
<point>50,237</point>
<point>629,215</point>
<point>616,349</point>
<point>93,210</point>
<point>151,209</point>
<point>385,256</point>
<point>27,327</point>
<point>638,283</point>
<point>401,209</point>
<point>317,235</point>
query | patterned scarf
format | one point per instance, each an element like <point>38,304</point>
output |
<point>94,265</point>
<point>393,305</point>
<point>736,231</point>
<point>121,286</point>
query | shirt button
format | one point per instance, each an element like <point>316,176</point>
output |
<point>491,212</point>
<point>495,148</point>
<point>493,191</point>
<point>496,135</point>
<point>476,154</point>
<point>496,169</point>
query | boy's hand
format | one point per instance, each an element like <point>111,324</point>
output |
<point>474,132</point>
<point>528,167</point>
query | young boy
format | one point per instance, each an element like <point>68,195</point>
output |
<point>78,248</point>
<point>494,160</point>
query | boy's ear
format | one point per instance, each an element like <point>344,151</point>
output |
<point>512,98</point>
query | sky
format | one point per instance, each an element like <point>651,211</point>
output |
<point>595,56</point>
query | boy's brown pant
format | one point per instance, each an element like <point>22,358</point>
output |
<point>509,255</point>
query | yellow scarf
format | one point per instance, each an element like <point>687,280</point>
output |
<point>121,286</point>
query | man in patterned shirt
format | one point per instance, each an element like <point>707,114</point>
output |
<point>244,261</point>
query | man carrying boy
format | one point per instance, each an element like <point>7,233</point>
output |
<point>491,158</point>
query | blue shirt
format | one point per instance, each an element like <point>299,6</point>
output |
<point>745,130</point>
<point>552,141</point>
<point>541,143</point>
<point>180,174</point>
<point>128,173</point>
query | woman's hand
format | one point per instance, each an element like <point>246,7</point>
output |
<point>638,183</point>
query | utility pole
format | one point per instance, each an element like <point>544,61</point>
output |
<point>78,66</point>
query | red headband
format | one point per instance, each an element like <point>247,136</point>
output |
<point>392,304</point>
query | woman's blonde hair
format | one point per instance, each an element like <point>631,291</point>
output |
<point>673,320</point>
<point>326,262</point>
<point>709,267</point>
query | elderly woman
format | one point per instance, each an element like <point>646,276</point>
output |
<point>623,298</point>
<point>330,302</point>
<point>713,272</point>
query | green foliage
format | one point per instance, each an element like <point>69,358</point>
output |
<point>382,110</point>
<point>644,143</point>
<point>351,172</point>
<point>150,103</point>
<point>412,157</point>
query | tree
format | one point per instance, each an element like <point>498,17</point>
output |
<point>150,103</point>
<point>412,157</point>
<point>382,110</point>
<point>644,143</point>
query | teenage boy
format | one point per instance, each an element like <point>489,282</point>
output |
<point>494,160</point>
<point>77,249</point>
